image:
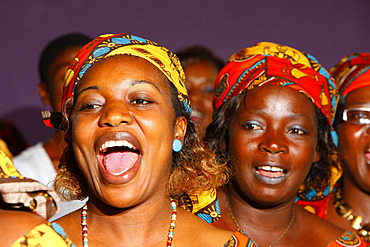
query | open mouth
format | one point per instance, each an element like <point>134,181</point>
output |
<point>117,157</point>
<point>196,116</point>
<point>367,156</point>
<point>270,171</point>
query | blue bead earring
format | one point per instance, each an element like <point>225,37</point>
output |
<point>176,145</point>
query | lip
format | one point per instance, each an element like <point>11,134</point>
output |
<point>128,175</point>
<point>270,173</point>
<point>197,116</point>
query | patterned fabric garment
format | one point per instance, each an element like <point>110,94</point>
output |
<point>23,193</point>
<point>269,63</point>
<point>48,234</point>
<point>346,239</point>
<point>240,240</point>
<point>315,200</point>
<point>124,44</point>
<point>352,72</point>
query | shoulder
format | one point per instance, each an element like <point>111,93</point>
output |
<point>47,234</point>
<point>14,224</point>
<point>71,223</point>
<point>193,231</point>
<point>326,231</point>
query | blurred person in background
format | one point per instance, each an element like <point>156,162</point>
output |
<point>40,162</point>
<point>201,68</point>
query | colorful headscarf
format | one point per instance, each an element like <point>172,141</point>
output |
<point>270,63</point>
<point>20,192</point>
<point>352,72</point>
<point>108,45</point>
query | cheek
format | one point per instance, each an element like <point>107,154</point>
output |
<point>348,139</point>
<point>207,102</point>
<point>240,146</point>
<point>82,130</point>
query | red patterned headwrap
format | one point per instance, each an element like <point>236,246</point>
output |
<point>269,63</point>
<point>352,72</point>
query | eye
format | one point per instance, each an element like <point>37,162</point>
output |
<point>252,126</point>
<point>358,116</point>
<point>208,89</point>
<point>141,101</point>
<point>361,115</point>
<point>89,106</point>
<point>297,131</point>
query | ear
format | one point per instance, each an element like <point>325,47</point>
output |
<point>44,95</point>
<point>180,128</point>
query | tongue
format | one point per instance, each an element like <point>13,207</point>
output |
<point>270,174</point>
<point>367,155</point>
<point>117,163</point>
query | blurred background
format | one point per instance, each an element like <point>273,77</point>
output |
<point>327,29</point>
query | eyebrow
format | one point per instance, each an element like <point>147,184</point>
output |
<point>85,89</point>
<point>146,82</point>
<point>131,84</point>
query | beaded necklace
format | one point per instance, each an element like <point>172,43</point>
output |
<point>345,211</point>
<point>85,240</point>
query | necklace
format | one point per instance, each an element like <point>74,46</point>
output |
<point>277,240</point>
<point>345,211</point>
<point>85,240</point>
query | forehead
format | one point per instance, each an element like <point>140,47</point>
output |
<point>358,96</point>
<point>279,99</point>
<point>120,67</point>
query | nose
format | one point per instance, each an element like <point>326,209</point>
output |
<point>273,143</point>
<point>115,114</point>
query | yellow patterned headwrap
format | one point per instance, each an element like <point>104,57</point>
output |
<point>108,45</point>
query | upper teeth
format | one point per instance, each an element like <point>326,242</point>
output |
<point>196,113</point>
<point>271,168</point>
<point>123,143</point>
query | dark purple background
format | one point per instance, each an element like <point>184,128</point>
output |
<point>328,29</point>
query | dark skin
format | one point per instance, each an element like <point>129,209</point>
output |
<point>127,98</point>
<point>52,97</point>
<point>354,144</point>
<point>200,80</point>
<point>15,224</point>
<point>272,143</point>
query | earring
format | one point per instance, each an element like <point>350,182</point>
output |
<point>176,145</point>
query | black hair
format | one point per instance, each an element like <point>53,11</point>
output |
<point>53,50</point>
<point>196,53</point>
<point>320,172</point>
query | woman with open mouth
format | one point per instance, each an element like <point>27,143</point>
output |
<point>132,149</point>
<point>201,66</point>
<point>274,106</point>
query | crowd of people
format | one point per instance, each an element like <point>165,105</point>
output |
<point>155,148</point>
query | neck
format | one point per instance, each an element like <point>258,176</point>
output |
<point>148,222</point>
<point>358,199</point>
<point>257,221</point>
